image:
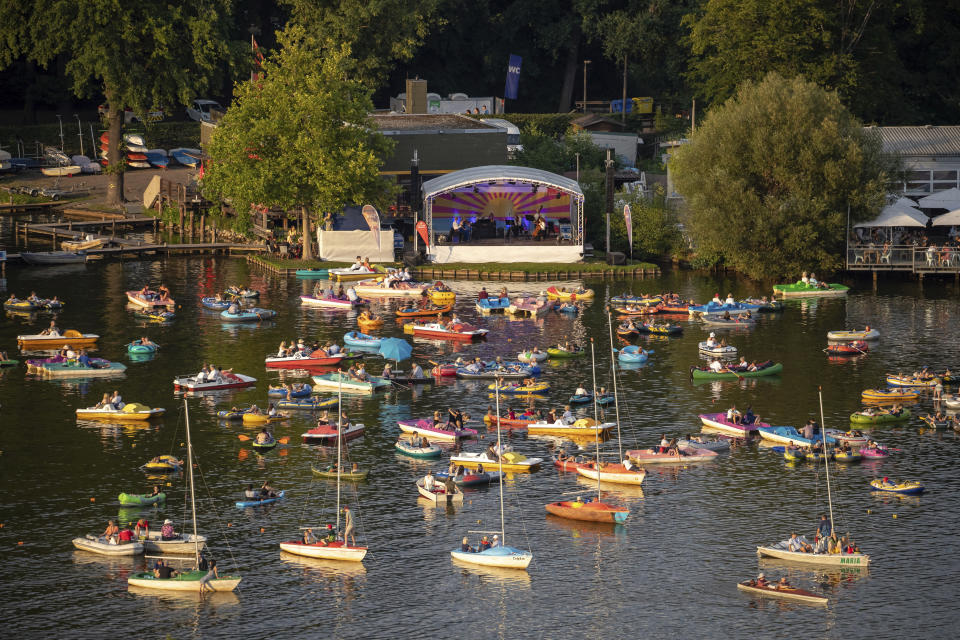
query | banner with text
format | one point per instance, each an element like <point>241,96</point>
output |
<point>513,77</point>
<point>373,220</point>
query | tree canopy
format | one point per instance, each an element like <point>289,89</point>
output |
<point>299,138</point>
<point>769,175</point>
<point>144,54</point>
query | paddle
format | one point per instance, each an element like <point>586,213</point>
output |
<point>244,438</point>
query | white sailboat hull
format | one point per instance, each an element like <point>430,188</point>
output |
<point>516,559</point>
<point>186,544</point>
<point>96,545</point>
<point>823,559</point>
<point>330,552</point>
<point>632,477</point>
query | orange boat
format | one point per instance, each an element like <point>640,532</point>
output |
<point>416,312</point>
<point>594,511</point>
<point>648,310</point>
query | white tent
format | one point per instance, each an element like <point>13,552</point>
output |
<point>948,219</point>
<point>949,199</point>
<point>897,215</point>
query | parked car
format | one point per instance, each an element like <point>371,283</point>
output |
<point>199,110</point>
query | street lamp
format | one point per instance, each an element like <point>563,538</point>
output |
<point>585,63</point>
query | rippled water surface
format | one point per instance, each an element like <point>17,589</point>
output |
<point>671,571</point>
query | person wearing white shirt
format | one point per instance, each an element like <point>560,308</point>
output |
<point>712,340</point>
<point>334,349</point>
<point>428,481</point>
<point>730,299</point>
<point>202,376</point>
<point>214,374</point>
<point>581,391</point>
<point>70,354</point>
<point>716,299</point>
<point>358,265</point>
<point>716,366</point>
<point>567,415</point>
<point>416,371</point>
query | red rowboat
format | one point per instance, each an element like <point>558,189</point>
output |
<point>568,465</point>
<point>507,423</point>
<point>854,348</point>
<point>459,331</point>
<point>325,433</point>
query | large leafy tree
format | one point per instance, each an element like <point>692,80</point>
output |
<point>380,33</point>
<point>769,175</point>
<point>143,54</point>
<point>298,138</point>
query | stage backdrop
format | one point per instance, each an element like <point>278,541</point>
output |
<point>501,202</point>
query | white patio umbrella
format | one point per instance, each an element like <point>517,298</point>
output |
<point>948,219</point>
<point>897,215</point>
<point>949,199</point>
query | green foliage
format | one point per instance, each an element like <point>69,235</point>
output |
<point>552,125</point>
<point>299,137</point>
<point>655,231</point>
<point>380,33</point>
<point>768,177</point>
<point>143,54</point>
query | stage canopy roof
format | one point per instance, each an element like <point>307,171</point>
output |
<point>498,173</point>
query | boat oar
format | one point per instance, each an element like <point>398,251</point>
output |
<point>244,438</point>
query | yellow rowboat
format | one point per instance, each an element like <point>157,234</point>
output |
<point>582,428</point>
<point>130,412</point>
<point>511,461</point>
<point>70,338</point>
<point>910,381</point>
<point>889,395</point>
<point>558,294</point>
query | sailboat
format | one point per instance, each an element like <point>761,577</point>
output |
<point>500,555</point>
<point>781,550</point>
<point>335,549</point>
<point>186,580</point>
<point>595,510</point>
<point>616,472</point>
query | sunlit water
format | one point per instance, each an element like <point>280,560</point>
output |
<point>671,571</point>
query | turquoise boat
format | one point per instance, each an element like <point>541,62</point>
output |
<point>357,339</point>
<point>428,452</point>
<point>256,314</point>
<point>137,347</point>
<point>311,404</point>
<point>322,274</point>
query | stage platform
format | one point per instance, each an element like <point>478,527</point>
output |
<point>487,251</point>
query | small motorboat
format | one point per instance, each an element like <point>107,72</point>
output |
<point>848,336</point>
<point>909,488</point>
<point>438,493</point>
<point>407,448</point>
<point>253,314</point>
<point>633,354</point>
<point>225,381</point>
<point>441,431</point>
<point>105,547</point>
<point>262,501</point>
<point>853,348</point>
<point>452,331</point>
<point>782,592</point>
<point>329,433</point>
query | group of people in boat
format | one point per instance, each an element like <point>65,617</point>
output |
<point>340,293</point>
<point>362,265</point>
<point>395,277</point>
<point>482,545</point>
<point>265,492</point>
<point>211,373</point>
<point>162,294</point>
<point>718,366</point>
<point>37,301</point>
<point>448,486</point>
<point>330,534</point>
<point>747,417</point>
<point>454,421</point>
<point>299,348</point>
<point>811,281</point>
<point>113,402</point>
<point>826,541</point>
<point>761,581</point>
<point>484,294</point>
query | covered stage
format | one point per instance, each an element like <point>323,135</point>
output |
<point>501,213</point>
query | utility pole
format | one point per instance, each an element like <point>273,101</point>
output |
<point>80,130</point>
<point>585,63</point>
<point>623,110</point>
<point>578,165</point>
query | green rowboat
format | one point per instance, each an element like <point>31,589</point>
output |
<point>330,472</point>
<point>799,289</point>
<point>700,374</point>
<point>882,418</point>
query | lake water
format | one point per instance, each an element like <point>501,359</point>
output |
<point>671,571</point>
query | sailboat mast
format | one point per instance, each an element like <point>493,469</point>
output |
<point>503,533</point>
<point>339,444</point>
<point>596,431</point>
<point>613,370</point>
<point>826,464</point>
<point>193,501</point>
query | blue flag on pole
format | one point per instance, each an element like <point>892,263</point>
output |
<point>513,77</point>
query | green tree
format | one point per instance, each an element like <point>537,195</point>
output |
<point>655,231</point>
<point>141,55</point>
<point>299,138</point>
<point>769,175</point>
<point>379,33</point>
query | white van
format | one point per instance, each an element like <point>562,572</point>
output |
<point>513,135</point>
<point>199,110</point>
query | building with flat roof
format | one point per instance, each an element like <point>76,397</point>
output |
<point>930,156</point>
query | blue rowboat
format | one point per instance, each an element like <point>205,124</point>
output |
<point>256,314</point>
<point>357,339</point>
<point>256,503</point>
<point>279,392</point>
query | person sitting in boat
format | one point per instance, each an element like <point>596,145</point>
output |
<point>465,546</point>
<point>581,391</point>
<point>264,436</point>
<point>358,265</point>
<point>162,571</point>
<point>428,481</point>
<point>272,410</point>
<point>716,366</point>
<point>761,581</point>
<point>734,416</point>
<point>793,544</point>
<point>344,420</point>
<point>437,420</point>
<point>52,330</point>
<point>753,366</point>
<point>250,493</point>
<point>416,371</point>
<point>116,400</point>
<point>749,417</point>
<point>567,417</point>
<point>387,373</point>
<point>111,533</point>
<point>308,537</point>
<point>266,491</point>
<point>167,531</point>
<point>712,340</point>
<point>164,292</point>
<point>491,453</point>
<point>104,402</point>
<point>484,544</point>
<point>730,299</point>
<point>454,419</point>
<point>142,528</point>
<point>716,299</point>
<point>145,292</point>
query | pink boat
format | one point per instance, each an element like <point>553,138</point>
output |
<point>682,455</point>
<point>149,299</point>
<point>325,433</point>
<point>331,303</point>
<point>875,452</point>
<point>426,429</point>
<point>719,421</point>
<point>529,306</point>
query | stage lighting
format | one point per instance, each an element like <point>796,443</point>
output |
<point>476,190</point>
<point>535,188</point>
